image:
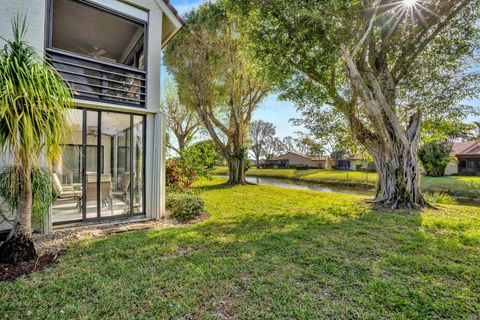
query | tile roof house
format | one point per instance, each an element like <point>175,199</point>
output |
<point>468,159</point>
<point>292,158</point>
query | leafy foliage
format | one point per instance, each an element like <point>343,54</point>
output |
<point>216,78</point>
<point>382,65</point>
<point>439,198</point>
<point>184,206</point>
<point>179,175</point>
<point>43,191</point>
<point>34,100</point>
<point>435,156</point>
<point>182,121</point>
<point>201,157</point>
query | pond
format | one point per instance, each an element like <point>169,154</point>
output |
<point>285,183</point>
<point>363,191</point>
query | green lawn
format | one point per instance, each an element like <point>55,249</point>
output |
<point>268,252</point>
<point>458,186</point>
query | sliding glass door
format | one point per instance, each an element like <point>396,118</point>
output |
<point>101,171</point>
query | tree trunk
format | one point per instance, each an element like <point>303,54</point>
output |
<point>19,244</point>
<point>398,183</point>
<point>236,171</point>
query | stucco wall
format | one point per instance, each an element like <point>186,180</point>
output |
<point>35,12</point>
<point>452,168</point>
<point>35,36</point>
<point>294,159</point>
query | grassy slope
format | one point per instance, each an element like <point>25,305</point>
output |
<point>454,185</point>
<point>268,252</point>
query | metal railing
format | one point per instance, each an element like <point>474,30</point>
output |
<point>98,80</point>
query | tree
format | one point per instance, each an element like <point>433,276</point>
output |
<point>449,130</point>
<point>435,156</point>
<point>477,130</point>
<point>216,78</point>
<point>202,156</point>
<point>272,148</point>
<point>288,144</point>
<point>382,64</point>
<point>33,119</point>
<point>260,134</point>
<point>329,129</point>
<point>182,121</point>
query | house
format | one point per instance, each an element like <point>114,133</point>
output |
<point>467,154</point>
<point>353,164</point>
<point>109,51</point>
<point>296,159</point>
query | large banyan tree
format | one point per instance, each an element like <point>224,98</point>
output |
<point>382,64</point>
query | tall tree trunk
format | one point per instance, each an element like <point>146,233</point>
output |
<point>393,146</point>
<point>398,185</point>
<point>236,171</point>
<point>19,244</point>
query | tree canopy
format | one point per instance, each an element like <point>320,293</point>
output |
<point>381,64</point>
<point>217,79</point>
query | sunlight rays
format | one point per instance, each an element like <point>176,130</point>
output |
<point>408,12</point>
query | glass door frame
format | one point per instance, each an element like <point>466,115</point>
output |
<point>99,170</point>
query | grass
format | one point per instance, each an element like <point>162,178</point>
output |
<point>272,253</point>
<point>458,186</point>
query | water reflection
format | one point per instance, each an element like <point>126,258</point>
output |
<point>310,186</point>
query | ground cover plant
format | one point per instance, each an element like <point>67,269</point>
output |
<point>268,252</point>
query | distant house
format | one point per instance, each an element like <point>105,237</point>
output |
<point>296,159</point>
<point>351,164</point>
<point>468,159</point>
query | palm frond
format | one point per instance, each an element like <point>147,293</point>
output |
<point>34,100</point>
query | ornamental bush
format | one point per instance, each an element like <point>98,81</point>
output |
<point>184,206</point>
<point>178,175</point>
<point>435,156</point>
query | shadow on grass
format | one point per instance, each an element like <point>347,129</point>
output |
<point>328,264</point>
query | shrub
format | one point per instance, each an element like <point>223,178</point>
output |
<point>184,206</point>
<point>439,198</point>
<point>178,176</point>
<point>435,156</point>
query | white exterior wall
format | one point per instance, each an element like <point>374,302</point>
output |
<point>452,168</point>
<point>294,159</point>
<point>156,12</point>
<point>35,10</point>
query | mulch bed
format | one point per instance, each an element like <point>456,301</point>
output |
<point>10,272</point>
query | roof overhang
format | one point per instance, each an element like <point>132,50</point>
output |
<point>172,22</point>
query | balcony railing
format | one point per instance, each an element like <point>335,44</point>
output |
<point>97,80</point>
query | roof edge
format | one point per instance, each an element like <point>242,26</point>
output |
<point>174,11</point>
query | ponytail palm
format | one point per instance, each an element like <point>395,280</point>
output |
<point>33,119</point>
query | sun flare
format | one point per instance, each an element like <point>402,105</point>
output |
<point>409,3</point>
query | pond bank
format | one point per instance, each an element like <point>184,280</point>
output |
<point>362,190</point>
<point>460,187</point>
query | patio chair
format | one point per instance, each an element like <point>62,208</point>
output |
<point>122,190</point>
<point>65,191</point>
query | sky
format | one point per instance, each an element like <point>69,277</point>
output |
<point>271,109</point>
